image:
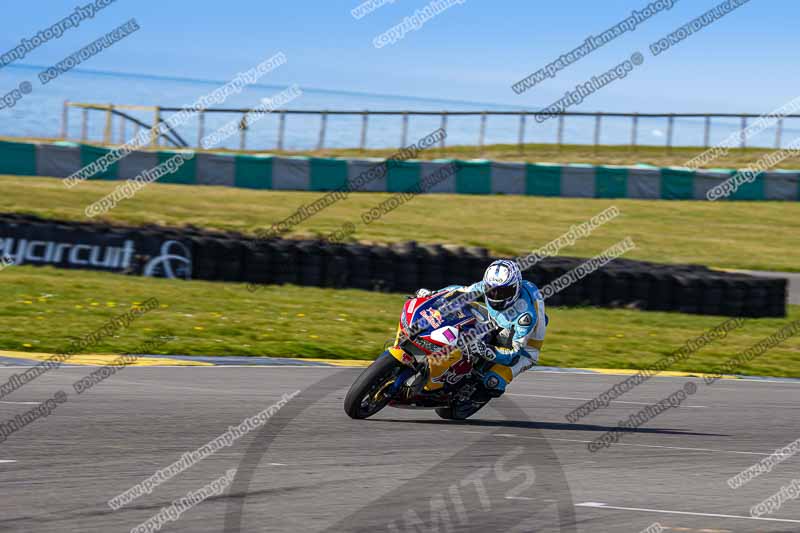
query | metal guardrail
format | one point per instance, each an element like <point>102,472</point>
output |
<point>112,110</point>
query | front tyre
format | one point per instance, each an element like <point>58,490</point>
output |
<point>367,395</point>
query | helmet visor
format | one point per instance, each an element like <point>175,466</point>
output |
<point>501,294</point>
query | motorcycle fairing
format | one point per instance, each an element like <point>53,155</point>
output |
<point>436,334</point>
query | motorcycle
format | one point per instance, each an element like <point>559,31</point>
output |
<point>430,365</point>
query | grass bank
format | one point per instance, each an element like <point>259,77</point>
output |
<point>45,308</point>
<point>747,235</point>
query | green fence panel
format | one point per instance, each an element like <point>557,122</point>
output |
<point>327,174</point>
<point>753,190</point>
<point>402,176</point>
<point>17,159</point>
<point>473,177</point>
<point>542,180</point>
<point>610,182</point>
<point>677,184</point>
<point>186,174</point>
<point>90,154</point>
<point>253,172</point>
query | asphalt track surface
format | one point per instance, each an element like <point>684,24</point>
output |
<point>519,467</point>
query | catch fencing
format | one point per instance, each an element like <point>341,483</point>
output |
<point>120,123</point>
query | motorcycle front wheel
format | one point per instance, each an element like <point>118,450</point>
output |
<point>367,395</point>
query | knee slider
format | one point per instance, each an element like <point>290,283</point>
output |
<point>494,381</point>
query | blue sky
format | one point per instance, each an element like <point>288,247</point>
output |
<point>472,52</point>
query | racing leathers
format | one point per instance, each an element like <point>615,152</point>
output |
<point>516,348</point>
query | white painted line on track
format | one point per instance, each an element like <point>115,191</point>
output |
<point>23,403</point>
<point>590,399</point>
<point>8,461</point>
<point>635,445</point>
<point>597,505</point>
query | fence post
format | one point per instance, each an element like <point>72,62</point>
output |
<point>243,129</point>
<point>670,127</point>
<point>597,122</point>
<point>122,122</point>
<point>521,134</point>
<point>155,134</point>
<point>405,130</point>
<point>635,131</point>
<point>85,124</point>
<point>323,123</point>
<point>201,128</point>
<point>281,130</point>
<point>65,120</point>
<point>560,132</point>
<point>779,133</point>
<point>364,119</point>
<point>442,143</point>
<point>482,136</point>
<point>744,132</point>
<point>109,124</point>
<point>707,132</point>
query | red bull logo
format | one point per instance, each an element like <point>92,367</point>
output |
<point>455,373</point>
<point>433,316</point>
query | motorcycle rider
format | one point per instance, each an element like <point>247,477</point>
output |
<point>516,306</point>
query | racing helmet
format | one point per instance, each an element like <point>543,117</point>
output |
<point>501,283</point>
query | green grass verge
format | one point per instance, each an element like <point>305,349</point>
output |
<point>43,309</point>
<point>534,153</point>
<point>748,235</point>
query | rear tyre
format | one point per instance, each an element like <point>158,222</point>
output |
<point>367,394</point>
<point>459,411</point>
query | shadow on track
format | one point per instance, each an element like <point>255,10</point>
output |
<point>555,426</point>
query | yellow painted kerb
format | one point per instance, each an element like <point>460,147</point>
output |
<point>338,362</point>
<point>665,373</point>
<point>103,359</point>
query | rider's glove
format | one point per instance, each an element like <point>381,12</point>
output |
<point>422,293</point>
<point>478,348</point>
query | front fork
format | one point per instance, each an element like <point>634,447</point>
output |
<point>400,380</point>
<point>411,367</point>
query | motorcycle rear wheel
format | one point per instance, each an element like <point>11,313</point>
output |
<point>459,411</point>
<point>366,395</point>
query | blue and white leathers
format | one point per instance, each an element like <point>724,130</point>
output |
<point>525,320</point>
